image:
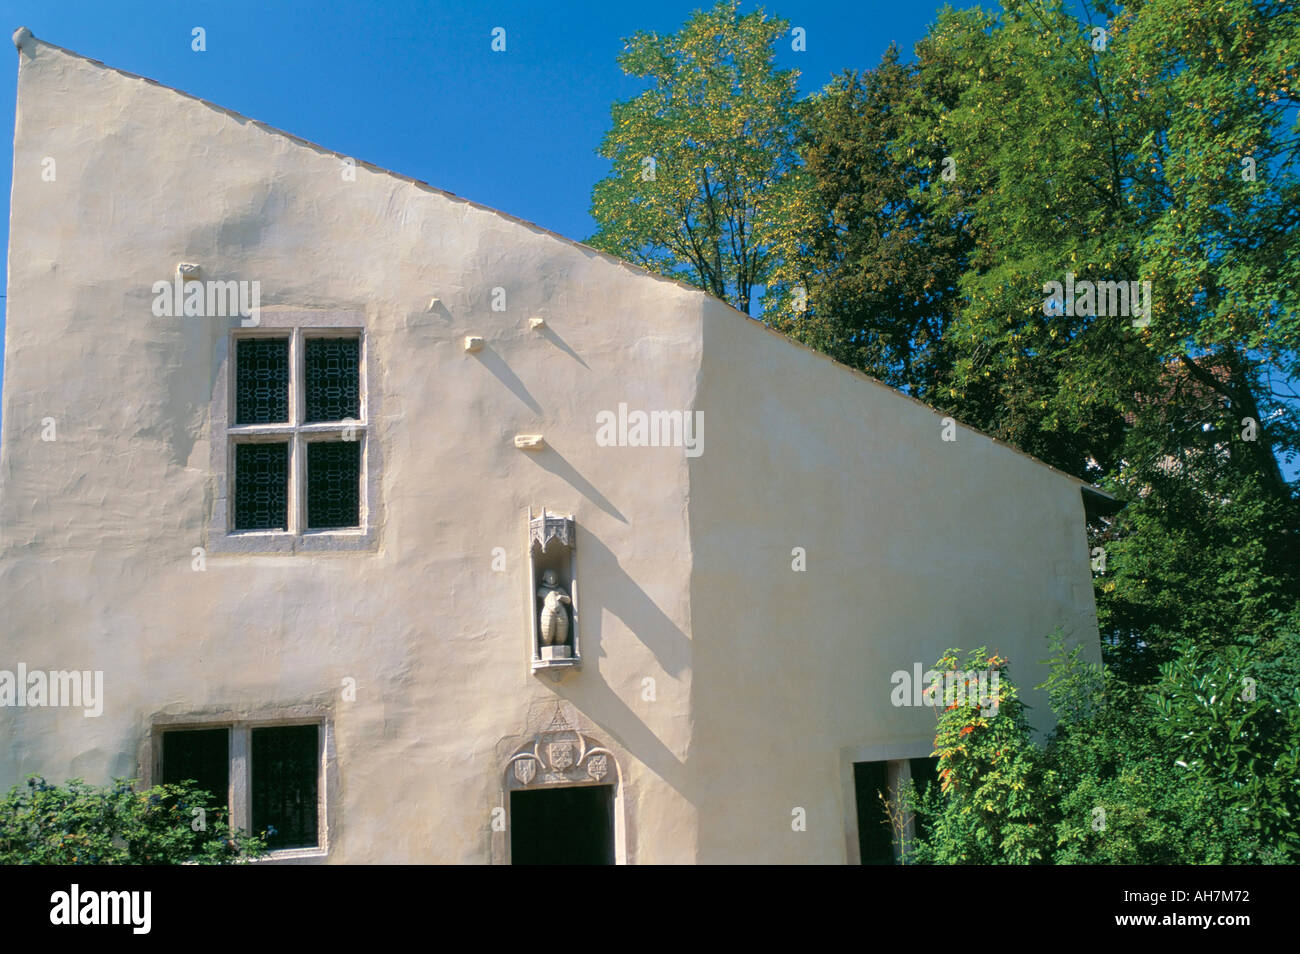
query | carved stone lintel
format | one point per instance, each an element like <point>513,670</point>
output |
<point>561,754</point>
<point>560,721</point>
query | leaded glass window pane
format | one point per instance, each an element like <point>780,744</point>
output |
<point>200,754</point>
<point>333,484</point>
<point>261,380</point>
<point>333,385</point>
<point>284,789</point>
<point>262,486</point>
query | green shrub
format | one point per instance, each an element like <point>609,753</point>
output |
<point>1199,768</point>
<point>80,824</point>
<point>991,805</point>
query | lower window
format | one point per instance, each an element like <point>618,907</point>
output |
<point>202,755</point>
<point>269,777</point>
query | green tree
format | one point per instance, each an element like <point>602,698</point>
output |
<point>866,272</point>
<point>1118,156</point>
<point>702,159</point>
<point>1113,790</point>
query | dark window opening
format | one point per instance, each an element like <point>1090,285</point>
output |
<point>261,380</point>
<point>285,769</point>
<point>202,755</point>
<point>333,385</point>
<point>925,772</point>
<point>262,486</point>
<point>573,825</point>
<point>333,484</point>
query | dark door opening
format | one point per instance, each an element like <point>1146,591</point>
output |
<point>573,825</point>
<point>875,838</point>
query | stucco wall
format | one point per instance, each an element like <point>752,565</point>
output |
<point>97,527</point>
<point>913,545</point>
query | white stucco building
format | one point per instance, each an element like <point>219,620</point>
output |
<point>303,539</point>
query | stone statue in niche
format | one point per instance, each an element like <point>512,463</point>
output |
<point>553,618</point>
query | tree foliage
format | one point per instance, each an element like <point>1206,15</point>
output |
<point>702,159</point>
<point>987,766</point>
<point>868,269</point>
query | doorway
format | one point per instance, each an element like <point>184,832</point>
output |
<point>875,838</point>
<point>567,825</point>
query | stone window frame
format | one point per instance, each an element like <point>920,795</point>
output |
<point>240,797</point>
<point>297,326</point>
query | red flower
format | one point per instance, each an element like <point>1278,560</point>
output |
<point>968,730</point>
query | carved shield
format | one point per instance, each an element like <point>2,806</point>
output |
<point>598,766</point>
<point>525,770</point>
<point>561,756</point>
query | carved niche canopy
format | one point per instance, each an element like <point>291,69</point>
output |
<point>548,527</point>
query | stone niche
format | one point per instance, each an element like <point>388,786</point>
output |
<point>553,593</point>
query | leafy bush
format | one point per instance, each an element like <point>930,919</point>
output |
<point>80,824</point>
<point>992,813</point>
<point>1202,767</point>
<point>1234,717</point>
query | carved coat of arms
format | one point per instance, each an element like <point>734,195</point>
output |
<point>525,770</point>
<point>561,755</point>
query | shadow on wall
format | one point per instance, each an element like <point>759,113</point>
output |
<point>551,459</point>
<point>615,591</point>
<point>549,334</point>
<point>609,714</point>
<point>501,371</point>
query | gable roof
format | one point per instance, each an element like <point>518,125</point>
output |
<point>1096,500</point>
